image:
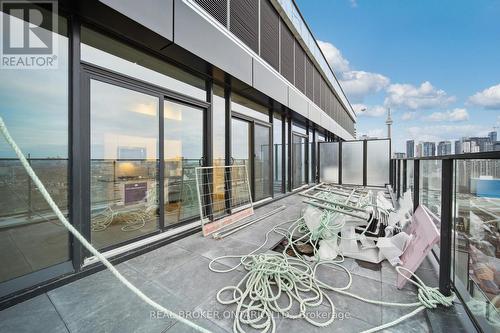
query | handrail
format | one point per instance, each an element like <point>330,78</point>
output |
<point>399,173</point>
<point>466,156</point>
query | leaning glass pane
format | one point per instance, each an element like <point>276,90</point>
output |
<point>34,106</point>
<point>111,54</point>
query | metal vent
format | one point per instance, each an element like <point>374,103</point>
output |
<point>287,46</point>
<point>244,22</point>
<point>216,8</point>
<point>269,34</point>
<point>309,79</point>
<point>317,87</point>
<point>300,58</point>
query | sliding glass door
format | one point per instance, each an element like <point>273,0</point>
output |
<point>299,161</point>
<point>251,146</point>
<point>241,154</point>
<point>124,160</point>
<point>262,161</point>
<point>183,146</point>
<point>125,155</point>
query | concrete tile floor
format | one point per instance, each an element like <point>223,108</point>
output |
<point>177,276</point>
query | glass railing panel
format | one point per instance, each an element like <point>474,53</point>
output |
<point>329,162</point>
<point>409,175</point>
<point>377,162</point>
<point>430,185</point>
<point>476,248</point>
<point>352,162</point>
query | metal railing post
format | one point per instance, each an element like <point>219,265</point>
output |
<point>340,163</point>
<point>404,176</point>
<point>398,177</point>
<point>416,184</point>
<point>446,227</point>
<point>365,162</point>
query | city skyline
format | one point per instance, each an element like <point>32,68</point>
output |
<point>473,144</point>
<point>434,63</point>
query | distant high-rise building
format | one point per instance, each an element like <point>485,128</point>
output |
<point>493,137</point>
<point>429,149</point>
<point>484,143</point>
<point>410,148</point>
<point>444,148</point>
<point>458,147</point>
<point>419,150</point>
<point>470,146</point>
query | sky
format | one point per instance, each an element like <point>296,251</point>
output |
<point>434,63</point>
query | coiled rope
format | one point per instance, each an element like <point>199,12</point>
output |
<point>271,278</point>
<point>83,241</point>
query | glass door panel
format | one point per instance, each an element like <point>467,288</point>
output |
<point>240,150</point>
<point>183,150</point>
<point>124,164</point>
<point>262,162</point>
<point>278,155</point>
<point>298,160</point>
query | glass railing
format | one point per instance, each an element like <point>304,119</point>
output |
<point>463,191</point>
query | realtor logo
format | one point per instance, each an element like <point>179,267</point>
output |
<point>29,34</point>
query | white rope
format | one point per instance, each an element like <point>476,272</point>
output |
<point>82,240</point>
<point>296,281</point>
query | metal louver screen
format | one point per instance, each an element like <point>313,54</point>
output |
<point>317,88</point>
<point>244,22</point>
<point>269,34</point>
<point>329,104</point>
<point>300,58</point>
<point>323,94</point>
<point>287,45</point>
<point>216,8</point>
<point>309,79</point>
<point>336,111</point>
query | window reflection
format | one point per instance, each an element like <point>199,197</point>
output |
<point>278,154</point>
<point>299,160</point>
<point>108,53</point>
<point>34,106</point>
<point>312,176</point>
<point>477,237</point>
<point>286,176</point>
<point>124,163</point>
<point>430,184</point>
<point>262,162</point>
<point>183,135</point>
<point>249,108</point>
<point>240,150</point>
<point>219,150</point>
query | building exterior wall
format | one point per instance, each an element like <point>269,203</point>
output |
<point>143,95</point>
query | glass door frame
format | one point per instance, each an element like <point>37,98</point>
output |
<point>90,72</point>
<point>270,154</point>
<point>203,159</point>
<point>305,137</point>
<point>251,173</point>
